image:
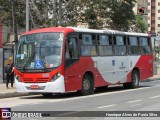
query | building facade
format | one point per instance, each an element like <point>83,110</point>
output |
<point>141,8</point>
<point>154,16</point>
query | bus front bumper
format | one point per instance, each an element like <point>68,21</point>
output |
<point>57,86</point>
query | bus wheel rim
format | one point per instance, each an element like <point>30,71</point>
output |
<point>86,84</point>
<point>135,79</point>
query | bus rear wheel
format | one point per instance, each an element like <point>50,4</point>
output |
<point>134,81</point>
<point>87,85</point>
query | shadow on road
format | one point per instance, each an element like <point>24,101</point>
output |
<point>75,94</point>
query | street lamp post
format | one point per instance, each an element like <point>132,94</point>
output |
<point>14,28</point>
<point>14,21</point>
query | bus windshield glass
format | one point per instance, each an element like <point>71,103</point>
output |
<point>39,51</point>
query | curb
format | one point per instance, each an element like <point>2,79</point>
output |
<point>12,94</point>
<point>148,80</point>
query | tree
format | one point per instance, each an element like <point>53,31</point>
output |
<point>98,14</point>
<point>6,12</point>
<point>140,26</point>
<point>121,14</point>
<point>87,11</point>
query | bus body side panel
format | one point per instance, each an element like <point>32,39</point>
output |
<point>102,69</point>
<point>145,68</point>
<point>116,69</point>
<point>75,72</point>
<point>145,65</point>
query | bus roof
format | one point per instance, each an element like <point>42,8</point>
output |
<point>50,29</point>
<point>82,30</point>
<point>108,32</point>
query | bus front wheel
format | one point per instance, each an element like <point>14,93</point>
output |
<point>87,85</point>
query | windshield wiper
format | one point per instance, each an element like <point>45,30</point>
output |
<point>29,60</point>
<point>43,61</point>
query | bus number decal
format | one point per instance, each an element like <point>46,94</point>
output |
<point>45,75</point>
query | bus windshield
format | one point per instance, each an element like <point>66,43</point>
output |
<point>39,51</point>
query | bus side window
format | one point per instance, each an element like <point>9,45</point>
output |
<point>133,45</point>
<point>145,45</point>
<point>120,45</point>
<point>105,45</point>
<point>71,48</point>
<point>88,45</point>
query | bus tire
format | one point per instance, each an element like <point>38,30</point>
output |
<point>134,81</point>
<point>47,94</point>
<point>87,85</point>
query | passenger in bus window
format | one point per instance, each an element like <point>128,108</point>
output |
<point>85,50</point>
<point>93,51</point>
<point>145,50</point>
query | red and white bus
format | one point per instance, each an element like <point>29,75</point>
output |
<point>64,59</point>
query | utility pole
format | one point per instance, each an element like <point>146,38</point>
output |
<point>27,15</point>
<point>60,12</point>
<point>14,29</point>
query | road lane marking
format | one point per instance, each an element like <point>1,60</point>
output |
<point>112,110</point>
<point>135,105</point>
<point>134,101</point>
<point>107,106</point>
<point>101,94</point>
<point>155,96</point>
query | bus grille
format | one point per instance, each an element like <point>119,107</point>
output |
<point>27,80</point>
<point>38,80</point>
<point>42,80</point>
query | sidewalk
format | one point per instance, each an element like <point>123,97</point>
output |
<point>11,92</point>
<point>155,77</point>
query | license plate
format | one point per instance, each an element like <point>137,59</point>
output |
<point>34,86</point>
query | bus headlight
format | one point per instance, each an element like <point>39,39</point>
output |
<point>17,78</point>
<point>56,76</point>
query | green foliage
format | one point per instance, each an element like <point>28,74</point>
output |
<point>6,12</point>
<point>98,14</point>
<point>121,15</point>
<point>140,26</point>
<point>111,14</point>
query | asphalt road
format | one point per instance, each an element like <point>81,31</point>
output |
<point>115,98</point>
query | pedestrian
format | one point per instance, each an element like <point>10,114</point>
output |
<point>9,70</point>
